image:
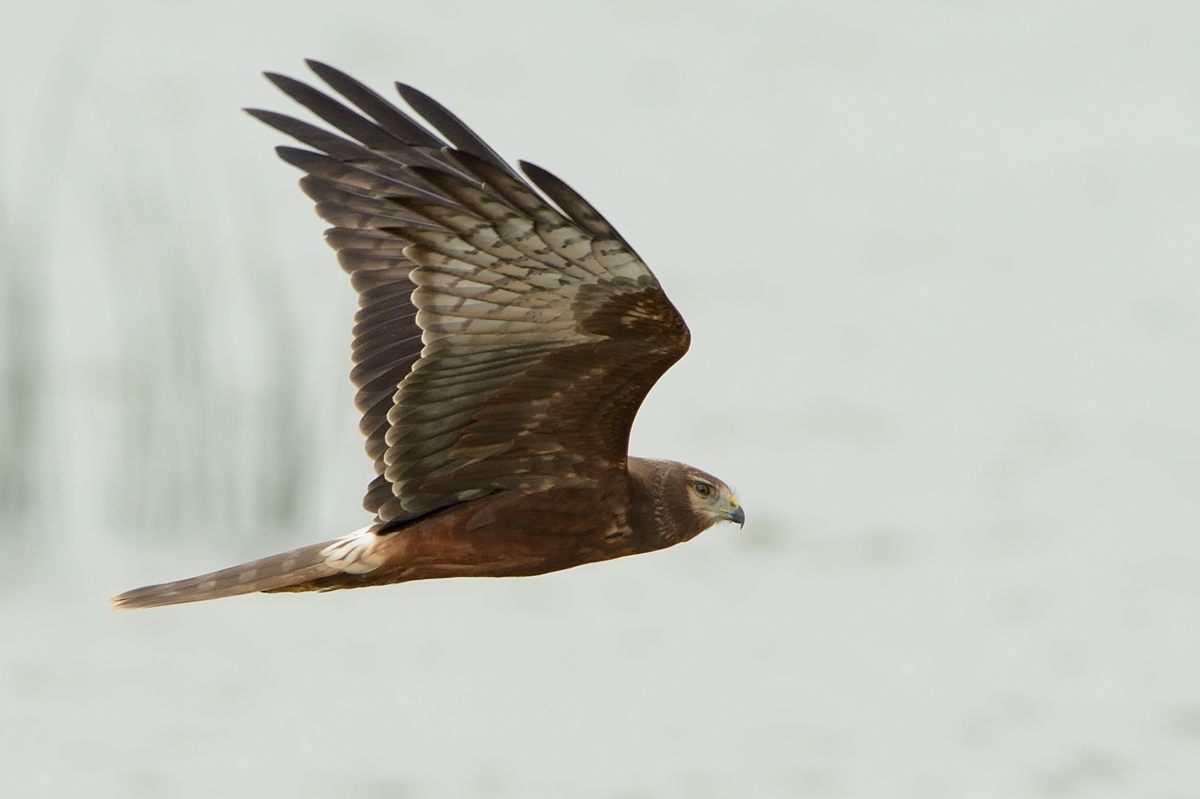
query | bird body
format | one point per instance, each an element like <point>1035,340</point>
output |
<point>515,535</point>
<point>502,348</point>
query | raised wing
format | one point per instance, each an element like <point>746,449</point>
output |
<point>501,343</point>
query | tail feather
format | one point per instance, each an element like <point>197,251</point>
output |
<point>294,568</point>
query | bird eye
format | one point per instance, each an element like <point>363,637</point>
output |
<point>703,489</point>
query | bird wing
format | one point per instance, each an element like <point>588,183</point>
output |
<point>501,343</point>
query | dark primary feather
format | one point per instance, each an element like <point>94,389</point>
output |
<point>579,209</point>
<point>451,126</point>
<point>363,130</point>
<point>501,343</point>
<point>389,117</point>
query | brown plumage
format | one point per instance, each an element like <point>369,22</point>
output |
<point>502,348</point>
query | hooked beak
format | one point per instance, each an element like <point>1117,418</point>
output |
<point>738,516</point>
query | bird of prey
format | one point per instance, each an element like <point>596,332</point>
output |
<point>503,344</point>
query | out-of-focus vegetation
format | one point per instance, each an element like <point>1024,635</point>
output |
<point>26,248</point>
<point>196,415</point>
<point>210,412</point>
<point>22,365</point>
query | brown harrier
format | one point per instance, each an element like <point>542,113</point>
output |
<point>501,350</point>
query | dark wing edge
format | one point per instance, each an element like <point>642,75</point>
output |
<point>501,343</point>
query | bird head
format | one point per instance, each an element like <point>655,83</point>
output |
<point>711,499</point>
<point>679,501</point>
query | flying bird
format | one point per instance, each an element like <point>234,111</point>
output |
<point>503,344</point>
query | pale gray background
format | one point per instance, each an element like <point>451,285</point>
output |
<point>940,264</point>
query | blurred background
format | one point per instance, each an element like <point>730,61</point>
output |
<point>940,261</point>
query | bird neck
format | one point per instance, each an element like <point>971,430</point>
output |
<point>656,519</point>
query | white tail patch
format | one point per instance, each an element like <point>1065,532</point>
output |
<point>356,553</point>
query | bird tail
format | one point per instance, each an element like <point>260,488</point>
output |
<point>294,570</point>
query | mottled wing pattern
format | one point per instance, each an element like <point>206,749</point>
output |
<point>501,343</point>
